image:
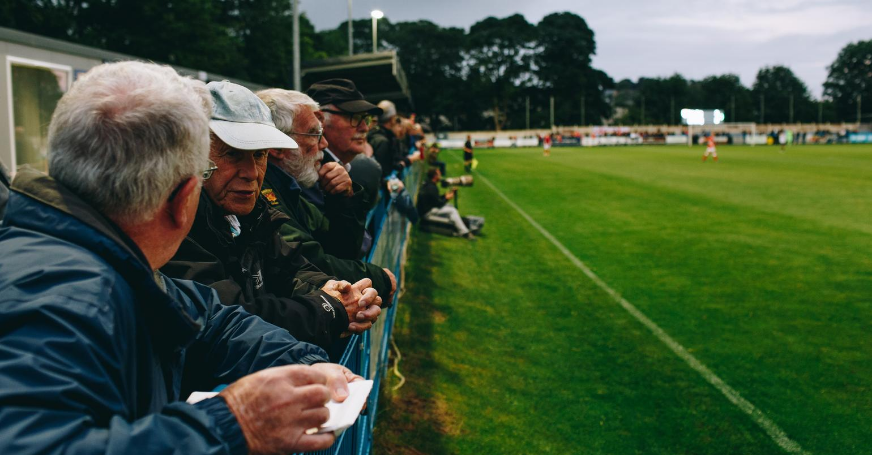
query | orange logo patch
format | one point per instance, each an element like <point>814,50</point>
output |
<point>270,196</point>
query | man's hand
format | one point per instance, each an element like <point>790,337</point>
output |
<point>395,185</point>
<point>334,179</point>
<point>370,306</point>
<point>449,195</point>
<point>362,303</point>
<point>338,378</point>
<point>275,407</point>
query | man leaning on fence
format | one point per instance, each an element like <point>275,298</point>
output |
<point>235,246</point>
<point>96,347</point>
<point>330,241</point>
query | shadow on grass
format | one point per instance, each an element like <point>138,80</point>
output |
<point>413,419</point>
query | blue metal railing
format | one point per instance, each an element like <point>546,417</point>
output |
<point>367,353</point>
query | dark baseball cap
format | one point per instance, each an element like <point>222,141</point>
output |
<point>343,94</point>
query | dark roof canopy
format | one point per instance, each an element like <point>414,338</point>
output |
<point>378,76</point>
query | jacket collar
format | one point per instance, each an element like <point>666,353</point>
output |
<point>282,179</point>
<point>210,221</point>
<point>42,204</point>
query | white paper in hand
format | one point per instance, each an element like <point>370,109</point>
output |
<point>343,415</point>
<point>197,397</point>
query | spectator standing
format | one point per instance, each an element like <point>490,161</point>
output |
<point>387,148</point>
<point>346,118</point>
<point>330,242</point>
<point>235,245</point>
<point>99,350</point>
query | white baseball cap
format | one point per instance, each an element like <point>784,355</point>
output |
<point>243,121</point>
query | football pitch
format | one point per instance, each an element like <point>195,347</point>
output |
<point>636,300</point>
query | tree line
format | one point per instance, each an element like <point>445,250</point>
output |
<point>501,74</point>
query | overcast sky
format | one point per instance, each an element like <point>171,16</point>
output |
<point>634,38</point>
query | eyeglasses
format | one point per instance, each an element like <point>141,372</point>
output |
<point>319,134</point>
<point>207,174</point>
<point>355,118</point>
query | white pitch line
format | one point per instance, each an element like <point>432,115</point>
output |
<point>774,431</point>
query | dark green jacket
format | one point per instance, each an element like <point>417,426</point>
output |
<point>329,242</point>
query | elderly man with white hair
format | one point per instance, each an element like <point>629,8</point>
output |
<point>329,241</point>
<point>97,347</point>
<point>235,245</point>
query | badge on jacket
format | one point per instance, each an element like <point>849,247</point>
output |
<point>270,196</point>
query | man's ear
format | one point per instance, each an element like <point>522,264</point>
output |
<point>178,207</point>
<point>277,154</point>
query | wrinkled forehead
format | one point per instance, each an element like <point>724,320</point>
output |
<point>307,121</point>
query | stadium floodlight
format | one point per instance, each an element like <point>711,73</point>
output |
<point>376,15</point>
<point>693,116</point>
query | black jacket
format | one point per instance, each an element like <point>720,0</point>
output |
<point>259,271</point>
<point>429,198</point>
<point>387,150</point>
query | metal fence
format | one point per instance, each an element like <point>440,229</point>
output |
<point>367,353</point>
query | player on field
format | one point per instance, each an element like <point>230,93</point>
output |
<point>546,144</point>
<point>710,148</point>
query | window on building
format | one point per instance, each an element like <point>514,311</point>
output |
<point>36,89</point>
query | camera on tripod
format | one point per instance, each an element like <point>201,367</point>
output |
<point>463,180</point>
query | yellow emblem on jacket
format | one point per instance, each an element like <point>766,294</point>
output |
<point>270,196</point>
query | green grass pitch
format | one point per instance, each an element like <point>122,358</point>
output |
<point>760,265</point>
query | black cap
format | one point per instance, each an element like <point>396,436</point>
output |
<point>343,94</point>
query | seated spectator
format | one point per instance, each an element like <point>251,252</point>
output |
<point>97,346</point>
<point>330,242</point>
<point>235,246</point>
<point>432,205</point>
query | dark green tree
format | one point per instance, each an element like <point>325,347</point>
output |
<point>778,87</point>
<point>499,54</point>
<point>726,92</point>
<point>851,76</point>
<point>563,68</point>
<point>432,59</point>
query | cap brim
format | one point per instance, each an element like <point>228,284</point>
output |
<point>251,136</point>
<point>356,106</point>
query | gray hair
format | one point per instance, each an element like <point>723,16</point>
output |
<point>126,134</point>
<point>285,105</point>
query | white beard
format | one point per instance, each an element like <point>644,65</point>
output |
<point>303,169</point>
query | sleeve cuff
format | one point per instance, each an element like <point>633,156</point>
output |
<point>225,422</point>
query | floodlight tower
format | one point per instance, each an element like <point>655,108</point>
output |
<point>376,15</point>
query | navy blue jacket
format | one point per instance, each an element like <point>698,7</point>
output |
<point>96,350</point>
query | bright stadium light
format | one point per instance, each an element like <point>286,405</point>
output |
<point>693,116</point>
<point>376,15</point>
<point>718,117</point>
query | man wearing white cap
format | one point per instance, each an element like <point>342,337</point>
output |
<point>235,247</point>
